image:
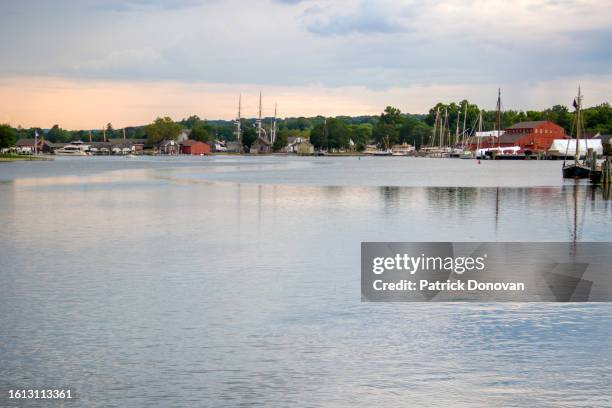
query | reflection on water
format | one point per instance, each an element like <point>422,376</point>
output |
<point>164,285</point>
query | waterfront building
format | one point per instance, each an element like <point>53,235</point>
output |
<point>134,145</point>
<point>194,147</point>
<point>184,135</point>
<point>261,145</point>
<point>292,144</point>
<point>533,136</point>
<point>233,147</point>
<point>529,137</point>
<point>304,148</point>
<point>52,147</point>
<point>606,141</point>
<point>218,146</point>
<point>167,147</point>
<point>120,146</point>
<point>28,145</point>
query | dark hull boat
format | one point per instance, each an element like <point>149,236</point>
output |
<point>576,171</point>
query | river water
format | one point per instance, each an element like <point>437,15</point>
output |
<point>225,281</point>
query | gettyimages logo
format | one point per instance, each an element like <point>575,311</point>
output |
<point>486,272</point>
<point>412,264</point>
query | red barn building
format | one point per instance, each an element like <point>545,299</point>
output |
<point>194,147</point>
<point>535,136</point>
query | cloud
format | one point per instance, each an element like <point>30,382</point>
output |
<point>377,45</point>
<point>290,2</point>
<point>141,5</point>
<point>368,18</point>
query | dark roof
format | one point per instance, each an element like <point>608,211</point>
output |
<point>512,137</point>
<point>100,144</point>
<point>25,142</point>
<point>54,145</point>
<point>168,143</point>
<point>261,140</point>
<point>127,141</point>
<point>528,124</point>
<point>604,138</point>
<point>191,142</point>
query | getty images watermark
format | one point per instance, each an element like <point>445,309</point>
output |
<point>486,272</point>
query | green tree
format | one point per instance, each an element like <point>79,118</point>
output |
<point>191,121</point>
<point>318,136</point>
<point>225,132</point>
<point>386,132</point>
<point>333,133</point>
<point>202,131</point>
<point>361,133</point>
<point>337,134</point>
<point>110,132</point>
<point>414,132</point>
<point>249,135</point>
<point>7,136</point>
<point>598,119</point>
<point>281,140</point>
<point>58,135</point>
<point>162,129</point>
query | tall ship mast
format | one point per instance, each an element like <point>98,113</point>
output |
<point>258,121</point>
<point>498,117</point>
<point>273,129</point>
<point>238,130</point>
<point>577,169</point>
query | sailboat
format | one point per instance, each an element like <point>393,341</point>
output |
<point>577,169</point>
<point>476,154</point>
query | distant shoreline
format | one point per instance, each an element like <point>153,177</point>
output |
<point>19,157</point>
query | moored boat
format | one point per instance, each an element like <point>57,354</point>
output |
<point>577,169</point>
<point>73,149</point>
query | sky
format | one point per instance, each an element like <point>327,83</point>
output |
<point>84,63</point>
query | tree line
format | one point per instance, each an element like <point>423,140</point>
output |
<point>389,128</point>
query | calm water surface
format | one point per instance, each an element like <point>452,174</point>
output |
<point>226,281</point>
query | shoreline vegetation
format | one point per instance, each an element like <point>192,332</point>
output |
<point>9,157</point>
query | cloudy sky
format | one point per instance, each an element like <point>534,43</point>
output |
<point>83,63</point>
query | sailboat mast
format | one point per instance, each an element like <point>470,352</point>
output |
<point>578,124</point>
<point>457,129</point>
<point>238,119</point>
<point>273,132</point>
<point>442,131</point>
<point>435,129</point>
<point>463,133</point>
<point>479,131</point>
<point>325,134</point>
<point>498,116</point>
<point>259,118</point>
